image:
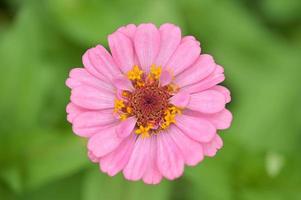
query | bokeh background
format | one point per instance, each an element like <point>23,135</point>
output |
<point>257,41</point>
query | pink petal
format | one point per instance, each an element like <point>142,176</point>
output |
<point>92,120</point>
<point>92,157</point>
<point>147,43</point>
<point>196,128</point>
<point>221,120</point>
<point>80,76</point>
<point>211,148</point>
<point>92,98</point>
<point>115,161</point>
<point>170,38</point>
<point>189,37</point>
<point>165,78</point>
<point>181,99</point>
<point>224,91</point>
<point>203,67</point>
<point>125,128</point>
<point>103,62</point>
<point>122,51</point>
<point>119,94</point>
<point>209,101</point>
<point>104,142</point>
<point>213,79</point>
<point>152,174</point>
<point>90,131</point>
<point>185,55</point>
<point>128,30</point>
<point>137,164</point>
<point>170,161</point>
<point>73,111</point>
<point>191,150</point>
<point>122,83</point>
<point>91,68</point>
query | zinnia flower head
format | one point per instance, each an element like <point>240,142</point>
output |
<point>150,106</point>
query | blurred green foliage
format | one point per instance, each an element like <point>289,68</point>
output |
<point>257,41</point>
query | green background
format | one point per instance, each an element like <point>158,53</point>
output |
<point>257,41</point>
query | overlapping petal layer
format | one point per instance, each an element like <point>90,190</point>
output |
<point>112,142</point>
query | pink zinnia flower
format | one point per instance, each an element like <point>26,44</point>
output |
<point>151,106</point>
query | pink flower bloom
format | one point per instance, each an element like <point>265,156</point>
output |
<point>151,106</point>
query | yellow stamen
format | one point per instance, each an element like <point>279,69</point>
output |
<point>129,110</point>
<point>173,88</point>
<point>135,73</point>
<point>140,83</point>
<point>143,131</point>
<point>175,110</point>
<point>150,79</point>
<point>118,105</point>
<point>123,116</point>
<point>125,93</point>
<point>156,71</point>
<point>170,118</point>
<point>164,125</point>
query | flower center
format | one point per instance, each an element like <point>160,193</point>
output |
<point>149,102</point>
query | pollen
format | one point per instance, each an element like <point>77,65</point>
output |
<point>125,93</point>
<point>119,104</point>
<point>156,71</point>
<point>143,131</point>
<point>175,110</point>
<point>164,125</point>
<point>129,110</point>
<point>123,116</point>
<point>172,88</point>
<point>135,73</point>
<point>148,102</point>
<point>169,117</point>
<point>140,83</point>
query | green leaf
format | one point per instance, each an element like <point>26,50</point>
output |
<point>6,194</point>
<point>53,156</point>
<point>13,178</point>
<point>101,186</point>
<point>210,180</point>
<point>62,189</point>
<point>135,190</point>
<point>260,72</point>
<point>32,76</point>
<point>89,22</point>
<point>281,11</point>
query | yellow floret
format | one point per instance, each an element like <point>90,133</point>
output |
<point>135,73</point>
<point>169,118</point>
<point>156,71</point>
<point>164,125</point>
<point>173,88</point>
<point>175,110</point>
<point>119,104</point>
<point>143,131</point>
<point>123,116</point>
<point>140,83</point>
<point>129,110</point>
<point>125,93</point>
